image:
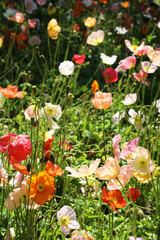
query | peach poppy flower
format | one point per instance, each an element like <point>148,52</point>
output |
<point>89,22</point>
<point>124,177</point>
<point>81,235</point>
<point>31,113</point>
<point>18,17</point>
<point>114,198</point>
<point>142,177</point>
<point>11,92</point>
<point>42,188</point>
<point>53,29</point>
<point>154,56</point>
<point>16,197</point>
<point>109,171</point>
<point>53,169</point>
<point>95,38</point>
<point>102,100</point>
<point>84,171</point>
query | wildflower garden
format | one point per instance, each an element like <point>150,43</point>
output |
<point>79,120</point>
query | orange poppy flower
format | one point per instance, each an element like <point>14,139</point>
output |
<point>11,92</point>
<point>53,169</point>
<point>103,1</point>
<point>42,188</point>
<point>125,4</point>
<point>95,87</point>
<point>114,198</point>
<point>21,168</point>
<point>89,22</point>
<point>48,147</point>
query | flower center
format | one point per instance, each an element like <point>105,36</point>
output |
<point>134,47</point>
<point>40,187</point>
<point>65,221</point>
<point>142,162</point>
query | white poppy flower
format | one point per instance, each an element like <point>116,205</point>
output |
<point>108,60</point>
<point>9,13</point>
<point>130,99</point>
<point>2,100</point>
<point>51,110</point>
<point>121,30</point>
<point>117,117</point>
<point>66,68</point>
<point>148,67</point>
<point>67,218</point>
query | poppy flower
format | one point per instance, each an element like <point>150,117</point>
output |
<point>76,28</point>
<point>110,75</point>
<point>130,99</point>
<point>48,147</point>
<point>125,4</point>
<point>115,144</point>
<point>95,87</point>
<point>145,29</point>
<point>127,21</point>
<point>102,100</point>
<point>42,188</point>
<point>64,144</point>
<point>109,171</point>
<point>81,235</point>
<point>89,22</point>
<point>78,8</point>
<point>3,173</point>
<point>84,171</point>
<point>21,168</point>
<point>141,77</point>
<point>53,169</point>
<point>95,38</point>
<point>128,63</point>
<point>79,58</point>
<point>133,194</point>
<point>11,92</point>
<point>4,141</point>
<point>114,198</point>
<point>19,147</point>
<point>53,29</point>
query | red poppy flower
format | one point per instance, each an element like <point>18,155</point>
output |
<point>11,92</point>
<point>110,75</point>
<point>19,147</point>
<point>77,10</point>
<point>48,147</point>
<point>65,144</point>
<point>4,141</point>
<point>114,198</point>
<point>79,58</point>
<point>53,169</point>
<point>134,194</point>
<point>75,28</point>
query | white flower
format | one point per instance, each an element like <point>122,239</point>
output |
<point>95,38</point>
<point>51,110</point>
<point>66,68</point>
<point>31,113</point>
<point>121,30</point>
<point>50,133</point>
<point>2,100</point>
<point>67,218</point>
<point>117,117</point>
<point>108,60</point>
<point>148,67</point>
<point>157,103</point>
<point>136,119</point>
<point>9,13</point>
<point>158,24</point>
<point>130,99</point>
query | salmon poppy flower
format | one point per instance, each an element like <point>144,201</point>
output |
<point>11,92</point>
<point>19,148</point>
<point>133,194</point>
<point>102,100</point>
<point>114,198</point>
<point>110,75</point>
<point>48,147</point>
<point>42,188</point>
<point>79,59</point>
<point>53,169</point>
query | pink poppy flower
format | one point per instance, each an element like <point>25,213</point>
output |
<point>41,2</point>
<point>130,99</point>
<point>109,171</point>
<point>117,117</point>
<point>137,50</point>
<point>32,23</point>
<point>148,67</point>
<point>3,174</point>
<point>34,40</point>
<point>81,235</point>
<point>141,77</point>
<point>30,6</point>
<point>24,29</point>
<point>115,144</point>
<point>84,171</point>
<point>79,58</point>
<point>124,177</point>
<point>65,144</point>
<point>18,17</point>
<point>110,75</point>
<point>102,100</point>
<point>154,56</point>
<point>128,62</point>
<point>130,147</point>
<point>114,6</point>
<point>19,177</point>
